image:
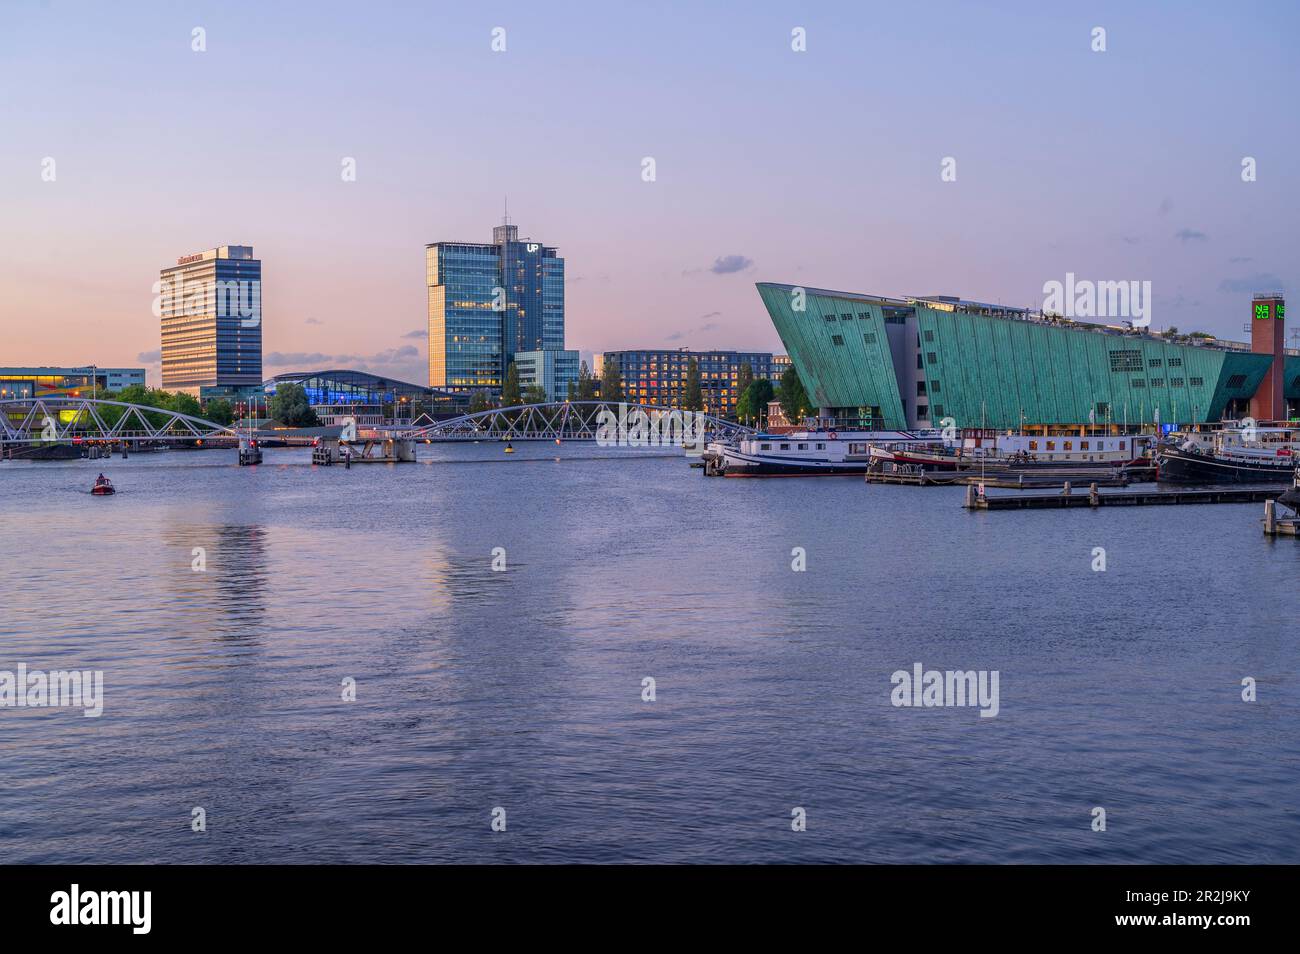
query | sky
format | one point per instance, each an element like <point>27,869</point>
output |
<point>819,167</point>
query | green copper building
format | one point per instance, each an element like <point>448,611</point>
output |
<point>902,363</point>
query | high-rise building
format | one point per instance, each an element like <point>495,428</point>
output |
<point>488,303</point>
<point>658,378</point>
<point>210,305</point>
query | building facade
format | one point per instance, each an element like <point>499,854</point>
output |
<point>85,381</point>
<point>210,306</point>
<point>913,362</point>
<point>658,377</point>
<point>489,303</point>
<point>552,370</point>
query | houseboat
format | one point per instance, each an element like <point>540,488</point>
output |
<point>811,453</point>
<point>1240,453</point>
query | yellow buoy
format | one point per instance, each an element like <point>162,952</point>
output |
<point>509,448</point>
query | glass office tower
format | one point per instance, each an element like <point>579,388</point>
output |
<point>210,305</point>
<point>489,302</point>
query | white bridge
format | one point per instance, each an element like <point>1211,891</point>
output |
<point>67,420</point>
<point>574,421</point>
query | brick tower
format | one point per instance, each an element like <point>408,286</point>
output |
<point>1267,336</point>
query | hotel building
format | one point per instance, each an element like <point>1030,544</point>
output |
<point>210,305</point>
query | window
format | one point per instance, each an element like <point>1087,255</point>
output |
<point>1083,445</point>
<point>1033,445</point>
<point>785,447</point>
<point>934,387</point>
<point>1103,408</point>
<point>929,335</point>
<point>837,339</point>
<point>920,389</point>
<point>922,411</point>
<point>1126,360</point>
<point>864,316</point>
<point>1197,382</point>
<point>821,446</point>
<point>1175,362</point>
<point>1236,381</point>
<point>1068,445</point>
<point>1157,382</point>
<point>1138,383</point>
<point>1175,382</point>
<point>931,357</point>
<point>869,337</point>
<point>1154,363</point>
<point>846,317</point>
<point>938,410</point>
<point>1051,445</point>
<point>829,317</point>
<point>764,446</point>
<point>918,362</point>
<point>803,446</point>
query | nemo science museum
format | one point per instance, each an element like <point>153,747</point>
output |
<point>877,363</point>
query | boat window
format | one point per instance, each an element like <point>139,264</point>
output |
<point>1121,445</point>
<point>785,447</point>
<point>1033,445</point>
<point>803,446</point>
<point>821,446</point>
<point>1051,445</point>
<point>1069,445</point>
<point>764,446</point>
<point>1083,445</point>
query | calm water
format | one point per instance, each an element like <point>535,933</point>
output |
<point>522,689</point>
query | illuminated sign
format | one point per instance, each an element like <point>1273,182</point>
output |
<point>186,259</point>
<point>1261,311</point>
<point>1281,311</point>
<point>533,247</point>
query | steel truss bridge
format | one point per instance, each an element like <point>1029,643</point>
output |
<point>577,421</point>
<point>67,420</point>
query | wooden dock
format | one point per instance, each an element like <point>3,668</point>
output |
<point>1128,498</point>
<point>1004,480</point>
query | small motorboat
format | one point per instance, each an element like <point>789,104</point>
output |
<point>103,487</point>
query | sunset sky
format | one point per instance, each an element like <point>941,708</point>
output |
<point>819,168</point>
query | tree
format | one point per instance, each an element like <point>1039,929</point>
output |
<point>586,384</point>
<point>611,382</point>
<point>219,411</point>
<point>290,407</point>
<point>794,399</point>
<point>535,394</point>
<point>745,378</point>
<point>752,404</point>
<point>693,396</point>
<point>182,403</point>
<point>510,396</point>
<point>480,401</point>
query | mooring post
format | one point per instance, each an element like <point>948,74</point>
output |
<point>970,496</point>
<point>1094,498</point>
<point>1270,518</point>
<point>1065,491</point>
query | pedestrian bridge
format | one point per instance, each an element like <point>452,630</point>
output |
<point>69,420</point>
<point>618,423</point>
